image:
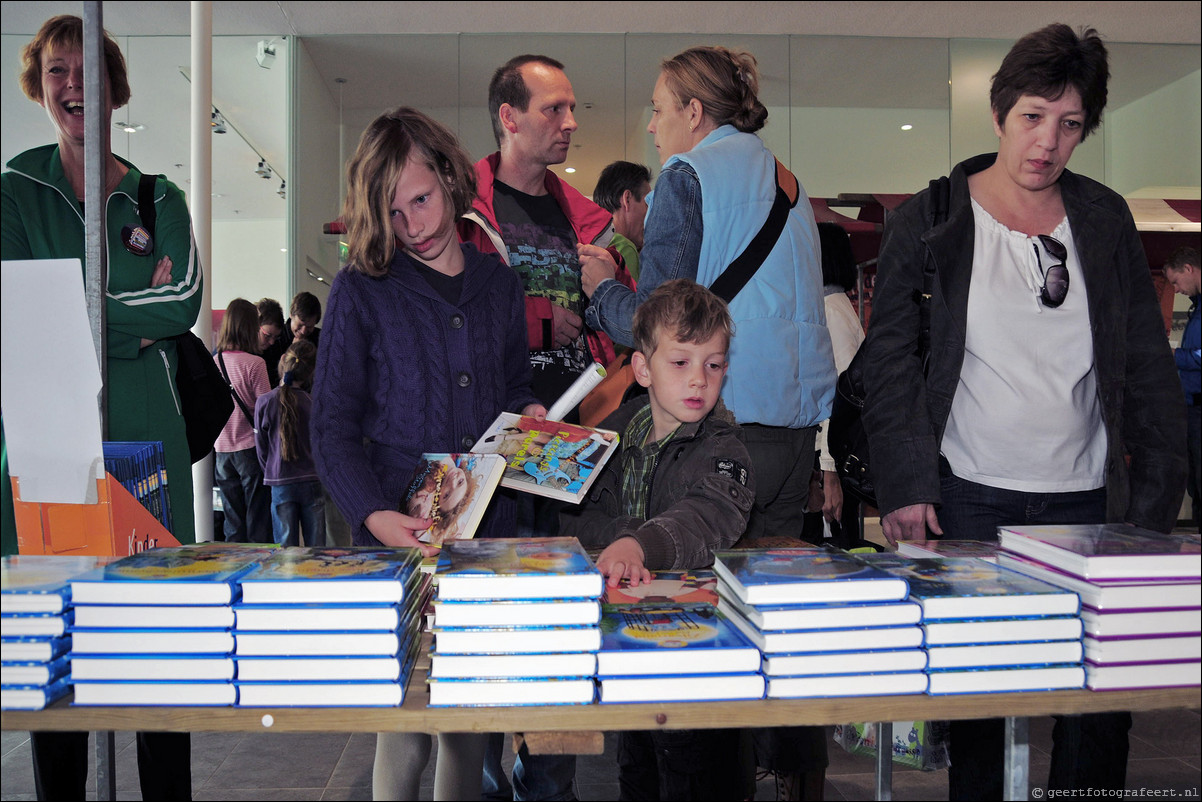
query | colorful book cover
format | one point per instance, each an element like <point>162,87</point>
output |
<point>548,458</point>
<point>28,648</point>
<point>41,583</point>
<point>647,639</point>
<point>667,587</point>
<point>1107,551</point>
<point>804,576</point>
<point>1113,594</point>
<point>323,574</point>
<point>454,490</point>
<point>965,587</point>
<point>943,547</point>
<point>201,574</point>
<point>517,568</point>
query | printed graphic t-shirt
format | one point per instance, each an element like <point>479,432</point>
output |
<point>542,249</point>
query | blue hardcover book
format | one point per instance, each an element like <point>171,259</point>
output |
<point>157,693</point>
<point>34,672</point>
<point>33,697</point>
<point>517,568</point>
<point>681,688</point>
<point>492,692</point>
<point>659,639</point>
<point>516,640</point>
<point>41,583</point>
<point>28,649</point>
<point>152,641</point>
<point>51,625</point>
<point>865,684</point>
<point>965,587</point>
<point>151,667</point>
<point>200,574</point>
<point>768,617</point>
<point>332,575</point>
<point>804,576</point>
<point>1006,680</point>
<point>517,612</point>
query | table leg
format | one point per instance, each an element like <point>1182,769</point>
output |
<point>1017,757</point>
<point>106,766</point>
<point>884,760</point>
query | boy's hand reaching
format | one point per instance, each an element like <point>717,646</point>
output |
<point>623,558</point>
<point>397,529</point>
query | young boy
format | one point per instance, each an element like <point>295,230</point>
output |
<point>679,487</point>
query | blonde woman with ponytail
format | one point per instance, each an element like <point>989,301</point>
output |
<point>282,441</point>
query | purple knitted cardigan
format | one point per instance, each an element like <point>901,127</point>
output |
<point>400,372</point>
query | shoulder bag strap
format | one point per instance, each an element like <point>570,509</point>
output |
<point>740,271</point>
<point>225,374</point>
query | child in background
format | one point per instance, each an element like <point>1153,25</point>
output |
<point>679,488</point>
<point>282,441</point>
<point>424,345</point>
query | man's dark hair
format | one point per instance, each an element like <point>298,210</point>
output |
<point>306,306</point>
<point>270,312</point>
<point>508,86</point>
<point>1047,62</point>
<point>1182,257</point>
<point>615,179</point>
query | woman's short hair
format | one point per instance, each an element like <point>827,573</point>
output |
<point>270,312</point>
<point>65,33</point>
<point>726,82</point>
<point>372,175</point>
<point>683,309</point>
<point>239,327</point>
<point>1048,61</point>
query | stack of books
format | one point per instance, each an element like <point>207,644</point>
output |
<point>35,662</point>
<point>141,469</point>
<point>674,652</point>
<point>989,629</point>
<point>825,623</point>
<point>155,628</point>
<point>329,627</point>
<point>1140,597</point>
<point>515,623</point>
<point>942,547</point>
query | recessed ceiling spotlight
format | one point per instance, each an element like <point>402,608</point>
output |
<point>129,128</point>
<point>906,127</point>
<point>569,169</point>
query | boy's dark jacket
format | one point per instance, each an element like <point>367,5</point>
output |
<point>702,489</point>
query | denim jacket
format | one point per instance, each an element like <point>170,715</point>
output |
<point>1142,407</point>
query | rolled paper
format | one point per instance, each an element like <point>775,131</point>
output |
<point>583,385</point>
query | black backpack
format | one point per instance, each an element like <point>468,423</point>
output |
<point>847,439</point>
<point>204,396</point>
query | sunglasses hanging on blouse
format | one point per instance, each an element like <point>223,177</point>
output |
<point>1055,278</point>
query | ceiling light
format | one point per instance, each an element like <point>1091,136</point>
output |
<point>218,123</point>
<point>907,127</point>
<point>265,53</point>
<point>263,170</point>
<point>569,169</point>
<point>282,192</point>
<point>129,128</point>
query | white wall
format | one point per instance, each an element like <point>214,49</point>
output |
<point>1138,135</point>
<point>248,262</point>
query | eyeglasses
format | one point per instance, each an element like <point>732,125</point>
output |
<point>1055,278</point>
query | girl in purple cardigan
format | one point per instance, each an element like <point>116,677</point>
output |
<point>423,346</point>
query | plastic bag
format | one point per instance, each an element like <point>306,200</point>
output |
<point>916,744</point>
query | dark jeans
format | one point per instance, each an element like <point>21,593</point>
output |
<point>60,765</point>
<point>245,500</point>
<point>678,764</point>
<point>535,777</point>
<point>782,460</point>
<point>296,508</point>
<point>1088,751</point>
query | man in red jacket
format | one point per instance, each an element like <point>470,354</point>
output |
<point>533,219</point>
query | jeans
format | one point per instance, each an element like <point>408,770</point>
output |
<point>245,500</point>
<point>1088,751</point>
<point>783,460</point>
<point>296,507</point>
<point>535,777</point>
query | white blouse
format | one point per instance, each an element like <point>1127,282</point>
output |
<point>1026,414</point>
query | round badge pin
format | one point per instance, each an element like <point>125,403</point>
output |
<point>137,240</point>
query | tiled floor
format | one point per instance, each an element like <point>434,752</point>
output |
<point>1164,761</point>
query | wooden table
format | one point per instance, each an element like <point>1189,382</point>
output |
<point>587,722</point>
